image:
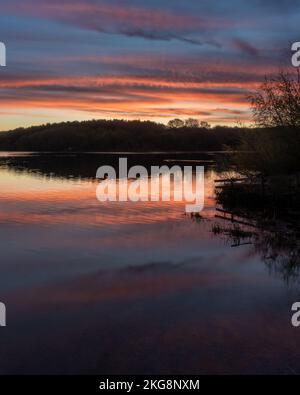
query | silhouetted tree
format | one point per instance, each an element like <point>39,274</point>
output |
<point>176,123</point>
<point>192,123</point>
<point>204,125</point>
<point>277,101</point>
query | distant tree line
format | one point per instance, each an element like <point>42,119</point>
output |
<point>121,135</point>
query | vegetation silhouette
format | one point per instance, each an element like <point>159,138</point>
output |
<point>261,203</point>
<point>120,135</point>
<point>273,147</point>
<point>267,160</point>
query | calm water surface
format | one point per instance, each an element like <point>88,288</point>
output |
<point>100,288</point>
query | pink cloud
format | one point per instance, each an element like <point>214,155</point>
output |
<point>123,19</point>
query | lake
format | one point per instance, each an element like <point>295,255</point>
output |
<point>133,288</point>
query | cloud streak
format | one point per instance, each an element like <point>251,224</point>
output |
<point>141,22</point>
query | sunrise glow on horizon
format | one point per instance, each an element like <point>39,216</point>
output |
<point>93,59</point>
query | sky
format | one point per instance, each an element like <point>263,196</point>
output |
<point>150,60</point>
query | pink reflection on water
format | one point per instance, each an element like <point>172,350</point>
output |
<point>31,199</point>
